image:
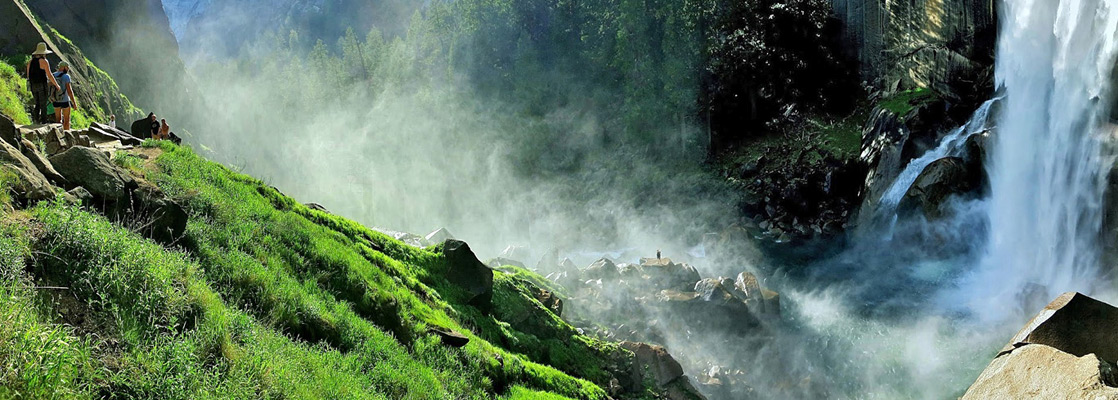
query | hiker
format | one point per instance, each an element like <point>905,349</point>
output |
<point>112,121</point>
<point>154,124</point>
<point>64,99</point>
<point>164,131</point>
<point>40,81</point>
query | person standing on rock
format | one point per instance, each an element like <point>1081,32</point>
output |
<point>39,81</point>
<point>66,100</point>
<point>155,126</point>
<point>112,121</point>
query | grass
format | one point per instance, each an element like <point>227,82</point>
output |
<point>904,102</point>
<point>13,94</point>
<point>264,298</point>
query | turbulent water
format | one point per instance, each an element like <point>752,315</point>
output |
<point>930,301</point>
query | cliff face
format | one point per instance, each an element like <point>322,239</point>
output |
<point>98,94</point>
<point>131,39</point>
<point>945,45</point>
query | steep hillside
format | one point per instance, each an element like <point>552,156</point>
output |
<point>241,292</point>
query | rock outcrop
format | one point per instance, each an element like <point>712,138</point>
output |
<point>946,45</point>
<point>940,179</point>
<point>653,363</point>
<point>1066,351</point>
<point>467,272</point>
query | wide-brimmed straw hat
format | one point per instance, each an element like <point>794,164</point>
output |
<point>41,50</point>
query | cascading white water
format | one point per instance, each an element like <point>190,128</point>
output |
<point>951,145</point>
<point>1048,165</point>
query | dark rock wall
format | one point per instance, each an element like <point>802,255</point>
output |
<point>946,45</point>
<point>131,40</point>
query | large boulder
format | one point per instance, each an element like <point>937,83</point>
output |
<point>653,364</point>
<point>467,272</point>
<point>1042,372</point>
<point>662,273</point>
<point>165,219</point>
<point>438,236</point>
<point>1066,351</point>
<point>1075,324</point>
<point>940,179</point>
<point>31,185</point>
<point>8,131</point>
<point>92,169</point>
<point>603,269</point>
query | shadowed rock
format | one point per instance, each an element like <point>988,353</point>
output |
<point>1075,324</point>
<point>32,185</point>
<point>467,272</point>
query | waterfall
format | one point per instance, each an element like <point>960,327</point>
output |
<point>1048,167</point>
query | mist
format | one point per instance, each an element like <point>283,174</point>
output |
<point>394,131</point>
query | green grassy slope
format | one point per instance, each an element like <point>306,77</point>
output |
<point>263,298</point>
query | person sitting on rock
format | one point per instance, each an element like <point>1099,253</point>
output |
<point>66,100</point>
<point>164,130</point>
<point>39,81</point>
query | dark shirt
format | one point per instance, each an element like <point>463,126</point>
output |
<point>154,127</point>
<point>36,74</point>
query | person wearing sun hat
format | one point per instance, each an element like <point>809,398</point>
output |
<point>65,100</point>
<point>39,81</point>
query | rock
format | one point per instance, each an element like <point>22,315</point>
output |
<point>750,290</point>
<point>1037,371</point>
<point>450,338</point>
<point>80,196</point>
<point>91,169</point>
<point>1066,351</point>
<point>467,272</point>
<point>603,269</point>
<point>716,290</point>
<point>41,162</point>
<point>653,363</point>
<point>1075,324</point>
<point>940,179</point>
<point>772,301</point>
<point>317,207</point>
<point>501,261</point>
<point>665,274</point>
<point>8,131</point>
<point>32,185</point>
<point>549,300</point>
<point>438,236</point>
<point>516,253</point>
<point>166,219</point>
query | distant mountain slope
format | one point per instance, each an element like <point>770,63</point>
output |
<point>224,25</point>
